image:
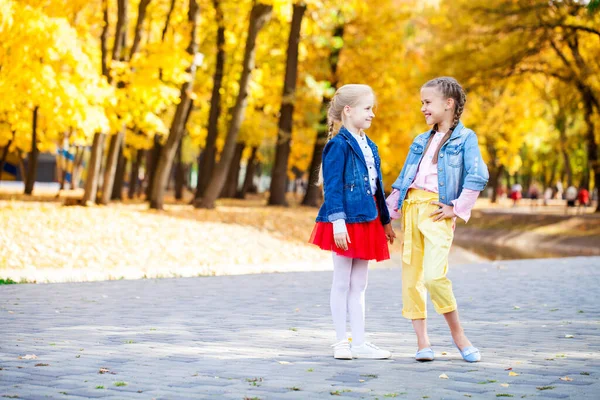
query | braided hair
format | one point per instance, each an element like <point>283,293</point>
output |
<point>450,89</point>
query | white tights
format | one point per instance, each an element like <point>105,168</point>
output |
<point>350,277</point>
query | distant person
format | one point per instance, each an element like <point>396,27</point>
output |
<point>571,197</point>
<point>583,198</point>
<point>533,194</point>
<point>548,194</point>
<point>516,193</point>
<point>559,190</point>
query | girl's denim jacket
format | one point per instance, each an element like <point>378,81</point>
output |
<point>346,185</point>
<point>459,165</point>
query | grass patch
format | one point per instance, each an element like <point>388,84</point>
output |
<point>370,375</point>
<point>120,383</point>
<point>254,381</point>
<point>545,387</point>
<point>295,389</point>
<point>7,281</point>
<point>99,387</point>
<point>584,373</point>
<point>486,382</point>
<point>504,395</point>
<point>339,392</point>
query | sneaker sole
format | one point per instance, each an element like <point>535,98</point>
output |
<point>372,358</point>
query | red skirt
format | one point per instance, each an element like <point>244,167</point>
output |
<point>367,240</point>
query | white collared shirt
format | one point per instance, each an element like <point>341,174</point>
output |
<point>369,158</point>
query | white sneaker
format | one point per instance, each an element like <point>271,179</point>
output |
<point>341,350</point>
<point>369,350</point>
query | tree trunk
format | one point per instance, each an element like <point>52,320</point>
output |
<point>207,162</point>
<point>592,146</point>
<point>179,120</point>
<point>91,183</point>
<point>179,174</point>
<point>233,176</point>
<point>495,177</point>
<point>143,7</point>
<point>4,155</point>
<point>250,171</point>
<point>120,29</point>
<point>104,40</point>
<point>117,192</point>
<point>313,193</point>
<point>153,158</point>
<point>135,172</point>
<point>260,14</point>
<point>278,187</point>
<point>32,159</point>
<point>111,166</point>
<point>76,169</point>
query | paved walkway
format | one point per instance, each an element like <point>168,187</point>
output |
<point>267,337</point>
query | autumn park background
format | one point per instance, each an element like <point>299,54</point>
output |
<point>147,138</point>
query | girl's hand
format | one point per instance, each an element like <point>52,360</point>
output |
<point>443,212</point>
<point>389,232</point>
<point>341,240</point>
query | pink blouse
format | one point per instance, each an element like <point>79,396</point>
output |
<point>427,179</point>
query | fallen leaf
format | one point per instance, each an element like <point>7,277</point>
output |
<point>504,385</point>
<point>444,353</point>
<point>512,373</point>
<point>45,365</point>
<point>569,336</point>
<point>508,369</point>
<point>106,371</point>
<point>284,362</point>
<point>566,378</point>
<point>443,376</point>
<point>28,357</point>
<point>517,307</point>
<point>361,380</point>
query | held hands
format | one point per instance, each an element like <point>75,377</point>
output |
<point>443,212</point>
<point>341,240</point>
<point>389,233</point>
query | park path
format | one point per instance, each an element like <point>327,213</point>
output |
<point>267,336</point>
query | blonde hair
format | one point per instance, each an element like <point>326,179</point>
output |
<point>347,95</point>
<point>450,89</point>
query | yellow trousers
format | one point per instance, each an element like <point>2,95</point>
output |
<point>425,257</point>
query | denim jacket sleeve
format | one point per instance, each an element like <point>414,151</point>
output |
<point>333,173</point>
<point>477,174</point>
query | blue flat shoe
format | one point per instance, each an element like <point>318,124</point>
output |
<point>425,354</point>
<point>469,354</point>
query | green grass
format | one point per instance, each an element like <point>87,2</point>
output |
<point>7,281</point>
<point>254,381</point>
<point>504,395</point>
<point>545,387</point>
<point>120,383</point>
<point>99,387</point>
<point>486,382</point>
<point>294,388</point>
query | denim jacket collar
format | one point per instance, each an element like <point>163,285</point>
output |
<point>345,133</point>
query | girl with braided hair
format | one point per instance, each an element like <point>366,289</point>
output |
<point>353,222</point>
<point>441,179</point>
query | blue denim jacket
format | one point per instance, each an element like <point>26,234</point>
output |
<point>459,165</point>
<point>346,182</point>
